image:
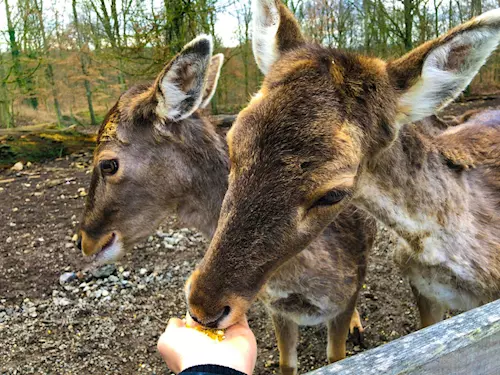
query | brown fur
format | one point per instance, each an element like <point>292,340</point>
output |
<point>182,167</point>
<point>328,120</point>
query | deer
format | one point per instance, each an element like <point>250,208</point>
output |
<point>331,128</point>
<point>158,153</point>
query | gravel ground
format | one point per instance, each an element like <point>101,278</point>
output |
<point>56,319</point>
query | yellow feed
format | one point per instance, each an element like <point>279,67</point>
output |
<point>214,334</point>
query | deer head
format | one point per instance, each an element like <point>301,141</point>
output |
<point>298,150</point>
<point>147,147</point>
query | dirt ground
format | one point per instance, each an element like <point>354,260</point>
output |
<point>109,323</point>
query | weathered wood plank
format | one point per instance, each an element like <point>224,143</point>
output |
<point>467,344</point>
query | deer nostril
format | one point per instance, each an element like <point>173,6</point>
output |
<point>225,312</point>
<point>195,318</point>
<point>79,242</point>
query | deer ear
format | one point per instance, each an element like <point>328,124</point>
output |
<point>432,75</point>
<point>181,83</point>
<point>275,30</point>
<point>212,79</point>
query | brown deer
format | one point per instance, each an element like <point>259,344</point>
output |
<point>329,128</point>
<point>157,154</point>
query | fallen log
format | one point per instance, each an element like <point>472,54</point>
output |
<point>28,129</point>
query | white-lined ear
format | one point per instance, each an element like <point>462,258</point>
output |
<point>434,74</point>
<point>181,83</point>
<point>212,79</point>
<point>275,30</point>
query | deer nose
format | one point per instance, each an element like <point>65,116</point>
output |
<point>79,242</point>
<point>215,322</point>
<point>90,245</point>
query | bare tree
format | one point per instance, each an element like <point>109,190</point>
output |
<point>84,62</point>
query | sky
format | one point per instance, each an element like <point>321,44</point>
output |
<point>225,27</point>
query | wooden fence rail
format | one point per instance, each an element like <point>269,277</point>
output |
<point>467,344</point>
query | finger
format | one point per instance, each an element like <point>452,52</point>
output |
<point>240,326</point>
<point>175,323</point>
<point>239,330</point>
<point>244,322</point>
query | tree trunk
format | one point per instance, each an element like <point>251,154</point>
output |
<point>450,15</point>
<point>436,18</point>
<point>6,119</point>
<point>475,8</point>
<point>84,64</point>
<point>49,70</point>
<point>21,83</point>
<point>408,14</point>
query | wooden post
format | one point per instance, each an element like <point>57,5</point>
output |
<point>467,344</point>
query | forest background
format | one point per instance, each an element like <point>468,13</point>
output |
<point>67,61</point>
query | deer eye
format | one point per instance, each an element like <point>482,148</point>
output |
<point>331,198</point>
<point>109,167</point>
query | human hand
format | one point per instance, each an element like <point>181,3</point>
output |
<point>182,347</point>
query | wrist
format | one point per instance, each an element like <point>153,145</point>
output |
<point>211,370</point>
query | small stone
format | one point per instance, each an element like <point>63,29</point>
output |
<point>29,164</point>
<point>160,234</point>
<point>141,286</point>
<point>15,209</point>
<point>104,272</point>
<point>113,278</point>
<point>74,238</point>
<point>126,274</point>
<point>69,245</point>
<point>171,241</point>
<point>66,277</point>
<point>17,167</point>
<point>61,301</point>
<point>8,240</point>
<point>104,293</point>
<point>143,271</point>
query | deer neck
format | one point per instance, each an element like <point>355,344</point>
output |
<point>410,189</point>
<point>201,207</point>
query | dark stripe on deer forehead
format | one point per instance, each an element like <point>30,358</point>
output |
<point>89,204</point>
